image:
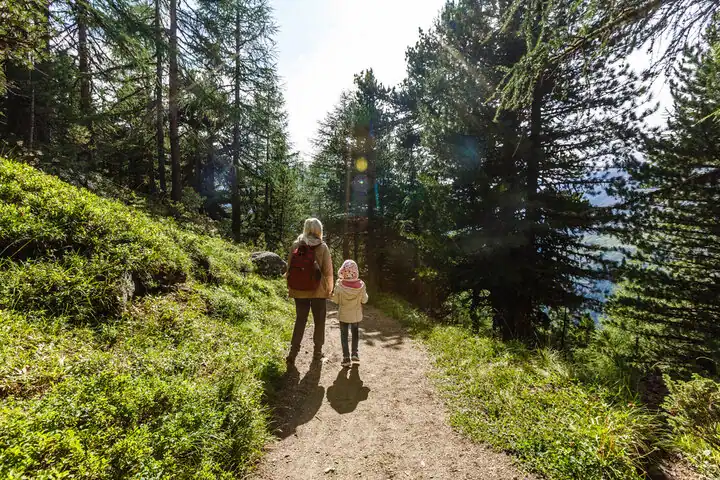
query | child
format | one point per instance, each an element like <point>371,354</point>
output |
<point>349,294</point>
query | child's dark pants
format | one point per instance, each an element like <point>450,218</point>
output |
<point>344,338</point>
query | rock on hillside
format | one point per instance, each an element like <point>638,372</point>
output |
<point>269,264</point>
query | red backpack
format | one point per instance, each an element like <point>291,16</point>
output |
<point>304,272</point>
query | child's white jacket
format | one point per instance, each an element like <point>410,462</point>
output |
<point>350,302</point>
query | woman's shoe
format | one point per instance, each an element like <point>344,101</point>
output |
<point>346,362</point>
<point>356,358</point>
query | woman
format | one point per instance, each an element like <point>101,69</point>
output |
<point>306,300</point>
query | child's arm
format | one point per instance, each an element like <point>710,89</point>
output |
<point>365,295</point>
<point>336,294</point>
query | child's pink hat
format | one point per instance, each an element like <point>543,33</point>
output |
<point>349,271</point>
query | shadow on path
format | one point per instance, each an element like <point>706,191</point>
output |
<point>297,403</point>
<point>347,390</point>
<point>401,418</point>
<point>375,330</point>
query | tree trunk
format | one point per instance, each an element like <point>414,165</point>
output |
<point>31,134</point>
<point>266,207</point>
<point>85,80</point>
<point>534,158</point>
<point>415,212</point>
<point>208,186</point>
<point>523,308</point>
<point>176,174</point>
<point>356,245</point>
<point>474,313</point>
<point>159,120</point>
<point>236,212</point>
<point>346,232</point>
<point>523,305</point>
<point>149,171</point>
<point>135,171</point>
<point>41,95</point>
<point>83,63</point>
<point>281,219</point>
<point>371,245</point>
<point>511,316</point>
<point>198,172</point>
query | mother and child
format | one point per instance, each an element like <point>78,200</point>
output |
<point>310,283</point>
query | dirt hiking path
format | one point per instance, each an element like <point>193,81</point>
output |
<point>379,420</point>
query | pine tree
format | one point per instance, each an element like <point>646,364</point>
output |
<point>173,79</point>
<point>332,169</point>
<point>353,168</point>
<point>109,81</point>
<point>672,293</point>
<point>23,35</point>
<point>24,43</point>
<point>159,107</point>
<point>372,127</point>
<point>601,29</point>
<point>514,183</point>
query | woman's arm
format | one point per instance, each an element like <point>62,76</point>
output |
<point>327,271</point>
<point>287,269</point>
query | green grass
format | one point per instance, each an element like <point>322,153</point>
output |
<point>530,404</point>
<point>129,346</point>
<point>692,410</point>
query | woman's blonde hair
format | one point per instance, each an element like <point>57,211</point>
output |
<point>313,228</point>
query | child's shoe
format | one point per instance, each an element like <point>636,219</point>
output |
<point>356,358</point>
<point>346,362</point>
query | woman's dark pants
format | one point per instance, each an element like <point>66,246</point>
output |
<point>302,311</point>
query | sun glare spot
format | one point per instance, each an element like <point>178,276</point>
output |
<point>361,164</point>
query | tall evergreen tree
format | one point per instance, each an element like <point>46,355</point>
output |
<point>110,80</point>
<point>23,35</point>
<point>600,28</point>
<point>353,168</point>
<point>173,79</point>
<point>159,106</point>
<point>672,293</point>
<point>515,182</point>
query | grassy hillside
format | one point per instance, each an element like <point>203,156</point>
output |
<point>128,345</point>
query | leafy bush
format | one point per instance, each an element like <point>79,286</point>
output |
<point>693,414</point>
<point>128,346</point>
<point>529,403</point>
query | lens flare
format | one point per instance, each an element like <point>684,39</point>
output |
<point>361,164</point>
